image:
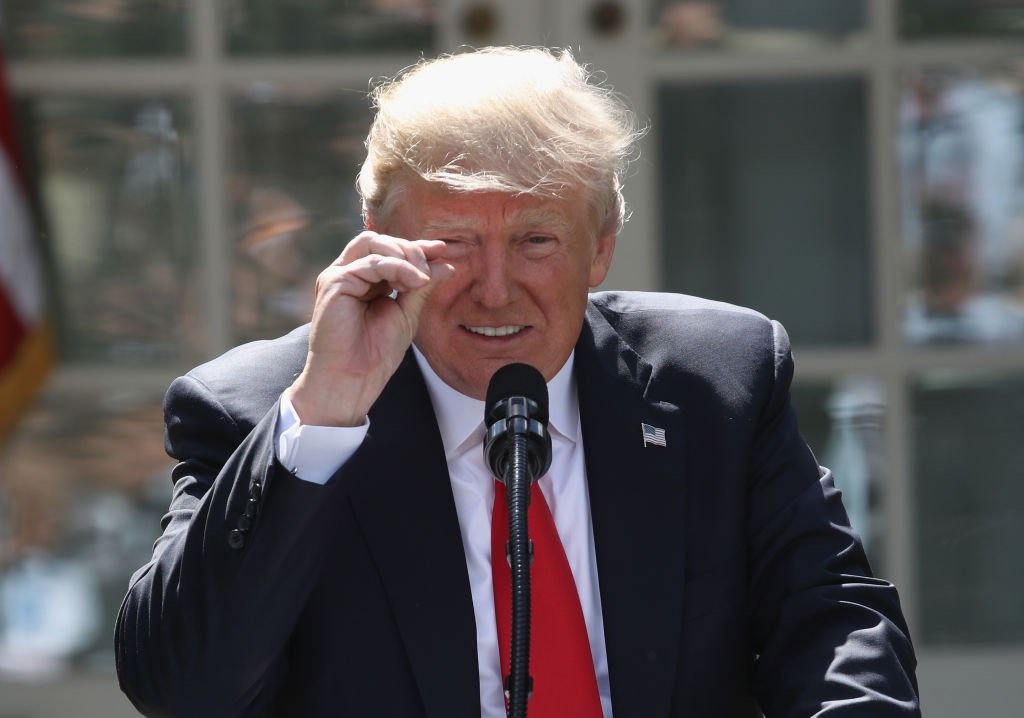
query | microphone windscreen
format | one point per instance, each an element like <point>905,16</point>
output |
<point>519,380</point>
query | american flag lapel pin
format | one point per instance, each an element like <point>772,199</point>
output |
<point>653,435</point>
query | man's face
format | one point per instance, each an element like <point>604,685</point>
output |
<point>523,266</point>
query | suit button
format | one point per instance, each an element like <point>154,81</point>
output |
<point>255,491</point>
<point>244,523</point>
<point>250,508</point>
<point>236,538</point>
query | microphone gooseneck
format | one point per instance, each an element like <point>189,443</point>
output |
<point>517,449</point>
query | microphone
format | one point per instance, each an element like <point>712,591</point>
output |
<point>517,449</point>
<point>517,405</point>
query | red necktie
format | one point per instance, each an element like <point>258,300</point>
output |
<point>564,683</point>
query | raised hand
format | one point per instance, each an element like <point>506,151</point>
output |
<point>368,304</point>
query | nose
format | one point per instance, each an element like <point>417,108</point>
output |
<point>493,286</point>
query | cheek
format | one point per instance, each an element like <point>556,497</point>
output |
<point>443,296</point>
<point>441,307</point>
<point>431,319</point>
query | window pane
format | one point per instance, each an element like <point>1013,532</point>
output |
<point>961,147</point>
<point>85,481</point>
<point>295,155</point>
<point>843,423</point>
<point>763,201</point>
<point>754,25</point>
<point>308,27</point>
<point>945,18</point>
<point>970,501</point>
<point>116,186</point>
<point>93,28</point>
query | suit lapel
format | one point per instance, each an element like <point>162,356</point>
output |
<point>403,502</point>
<point>636,500</point>
<point>401,494</point>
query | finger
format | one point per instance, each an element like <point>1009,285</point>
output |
<point>420,252</point>
<point>412,303</point>
<point>367,243</point>
<point>359,277</point>
<point>440,271</point>
<point>356,278</point>
<point>413,252</point>
<point>433,249</point>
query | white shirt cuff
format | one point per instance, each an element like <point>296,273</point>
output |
<point>314,453</point>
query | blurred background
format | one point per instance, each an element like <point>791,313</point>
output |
<point>178,171</point>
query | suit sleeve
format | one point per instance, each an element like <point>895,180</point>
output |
<point>204,626</point>
<point>830,638</point>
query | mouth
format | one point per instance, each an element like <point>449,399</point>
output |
<point>504,331</point>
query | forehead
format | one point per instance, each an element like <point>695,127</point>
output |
<point>435,208</point>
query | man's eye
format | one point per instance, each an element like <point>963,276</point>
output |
<point>539,245</point>
<point>455,248</point>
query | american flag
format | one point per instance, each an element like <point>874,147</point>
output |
<point>653,435</point>
<point>25,345</point>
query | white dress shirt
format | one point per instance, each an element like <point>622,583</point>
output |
<point>314,453</point>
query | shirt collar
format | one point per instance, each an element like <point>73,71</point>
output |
<point>460,417</point>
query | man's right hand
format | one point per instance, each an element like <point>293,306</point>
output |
<point>360,332</point>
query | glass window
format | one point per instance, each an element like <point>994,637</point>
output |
<point>764,201</point>
<point>294,158</point>
<point>753,25</point>
<point>843,423</point>
<point>961,149</point>
<point>85,482</point>
<point>117,190</point>
<point>115,179</point>
<point>969,497</point>
<point>308,27</point>
<point>55,29</point>
<point>939,18</point>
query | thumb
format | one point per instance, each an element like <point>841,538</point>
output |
<point>412,303</point>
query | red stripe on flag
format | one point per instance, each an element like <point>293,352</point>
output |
<point>26,352</point>
<point>12,331</point>
<point>7,134</point>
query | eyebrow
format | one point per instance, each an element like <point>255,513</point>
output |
<point>543,217</point>
<point>530,216</point>
<point>445,224</point>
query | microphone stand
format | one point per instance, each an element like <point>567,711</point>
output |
<point>518,478</point>
<point>517,449</point>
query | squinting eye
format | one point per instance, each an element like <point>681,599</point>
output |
<point>539,245</point>
<point>456,248</point>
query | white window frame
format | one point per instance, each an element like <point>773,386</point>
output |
<point>205,77</point>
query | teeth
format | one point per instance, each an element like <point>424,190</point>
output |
<point>502,331</point>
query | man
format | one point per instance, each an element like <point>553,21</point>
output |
<point>328,550</point>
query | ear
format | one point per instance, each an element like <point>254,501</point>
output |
<point>370,222</point>
<point>601,261</point>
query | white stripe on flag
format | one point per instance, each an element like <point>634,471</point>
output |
<point>653,435</point>
<point>20,276</point>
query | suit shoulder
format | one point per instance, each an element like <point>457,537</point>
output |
<point>256,359</point>
<point>250,377</point>
<point>659,316</point>
<point>696,343</point>
<point>667,302</point>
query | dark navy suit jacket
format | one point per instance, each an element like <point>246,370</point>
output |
<point>730,579</point>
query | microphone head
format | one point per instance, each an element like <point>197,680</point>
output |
<point>518,380</point>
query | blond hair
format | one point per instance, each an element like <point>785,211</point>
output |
<point>508,119</point>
